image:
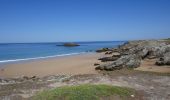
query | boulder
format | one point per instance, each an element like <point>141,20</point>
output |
<point>165,60</point>
<point>144,53</point>
<point>159,51</point>
<point>129,61</point>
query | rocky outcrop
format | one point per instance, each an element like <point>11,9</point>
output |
<point>69,44</point>
<point>131,54</point>
<point>130,61</point>
<point>165,60</point>
<point>116,54</point>
<point>103,50</point>
<point>105,59</point>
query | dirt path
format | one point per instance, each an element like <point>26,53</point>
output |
<point>151,86</point>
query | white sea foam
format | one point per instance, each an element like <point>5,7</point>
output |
<point>26,59</point>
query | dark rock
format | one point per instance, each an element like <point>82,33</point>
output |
<point>99,68</point>
<point>159,63</point>
<point>102,67</point>
<point>1,80</point>
<point>29,78</point>
<point>33,77</point>
<point>96,64</point>
<point>103,50</point>
<point>69,44</point>
<point>105,59</point>
<point>109,52</point>
<point>26,78</point>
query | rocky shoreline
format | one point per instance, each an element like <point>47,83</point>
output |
<point>130,54</point>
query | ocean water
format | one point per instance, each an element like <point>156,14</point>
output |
<point>12,52</point>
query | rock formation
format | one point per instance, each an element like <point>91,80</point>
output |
<point>131,54</point>
<point>69,44</point>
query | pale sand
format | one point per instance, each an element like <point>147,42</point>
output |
<point>149,65</point>
<point>69,65</point>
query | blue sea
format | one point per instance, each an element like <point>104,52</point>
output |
<point>13,52</point>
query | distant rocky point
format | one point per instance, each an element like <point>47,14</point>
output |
<point>69,44</point>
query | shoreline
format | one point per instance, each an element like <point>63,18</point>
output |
<point>39,58</point>
<point>71,65</point>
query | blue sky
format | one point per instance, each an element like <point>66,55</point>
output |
<point>83,20</point>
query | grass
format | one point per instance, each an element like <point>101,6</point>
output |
<point>84,92</point>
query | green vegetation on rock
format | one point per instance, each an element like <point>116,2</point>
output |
<point>85,92</point>
<point>168,39</point>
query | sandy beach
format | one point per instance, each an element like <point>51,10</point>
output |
<point>71,65</point>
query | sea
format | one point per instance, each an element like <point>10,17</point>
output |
<point>14,52</point>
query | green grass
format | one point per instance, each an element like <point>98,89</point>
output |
<point>84,92</point>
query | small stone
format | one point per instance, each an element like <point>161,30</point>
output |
<point>132,96</point>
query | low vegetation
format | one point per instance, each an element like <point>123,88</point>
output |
<point>168,40</point>
<point>85,92</point>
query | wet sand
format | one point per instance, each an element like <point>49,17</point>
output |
<point>71,65</point>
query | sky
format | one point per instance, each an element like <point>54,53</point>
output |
<point>83,20</point>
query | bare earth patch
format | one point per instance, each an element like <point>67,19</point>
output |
<point>149,86</point>
<point>149,65</point>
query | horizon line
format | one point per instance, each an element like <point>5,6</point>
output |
<point>62,42</point>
